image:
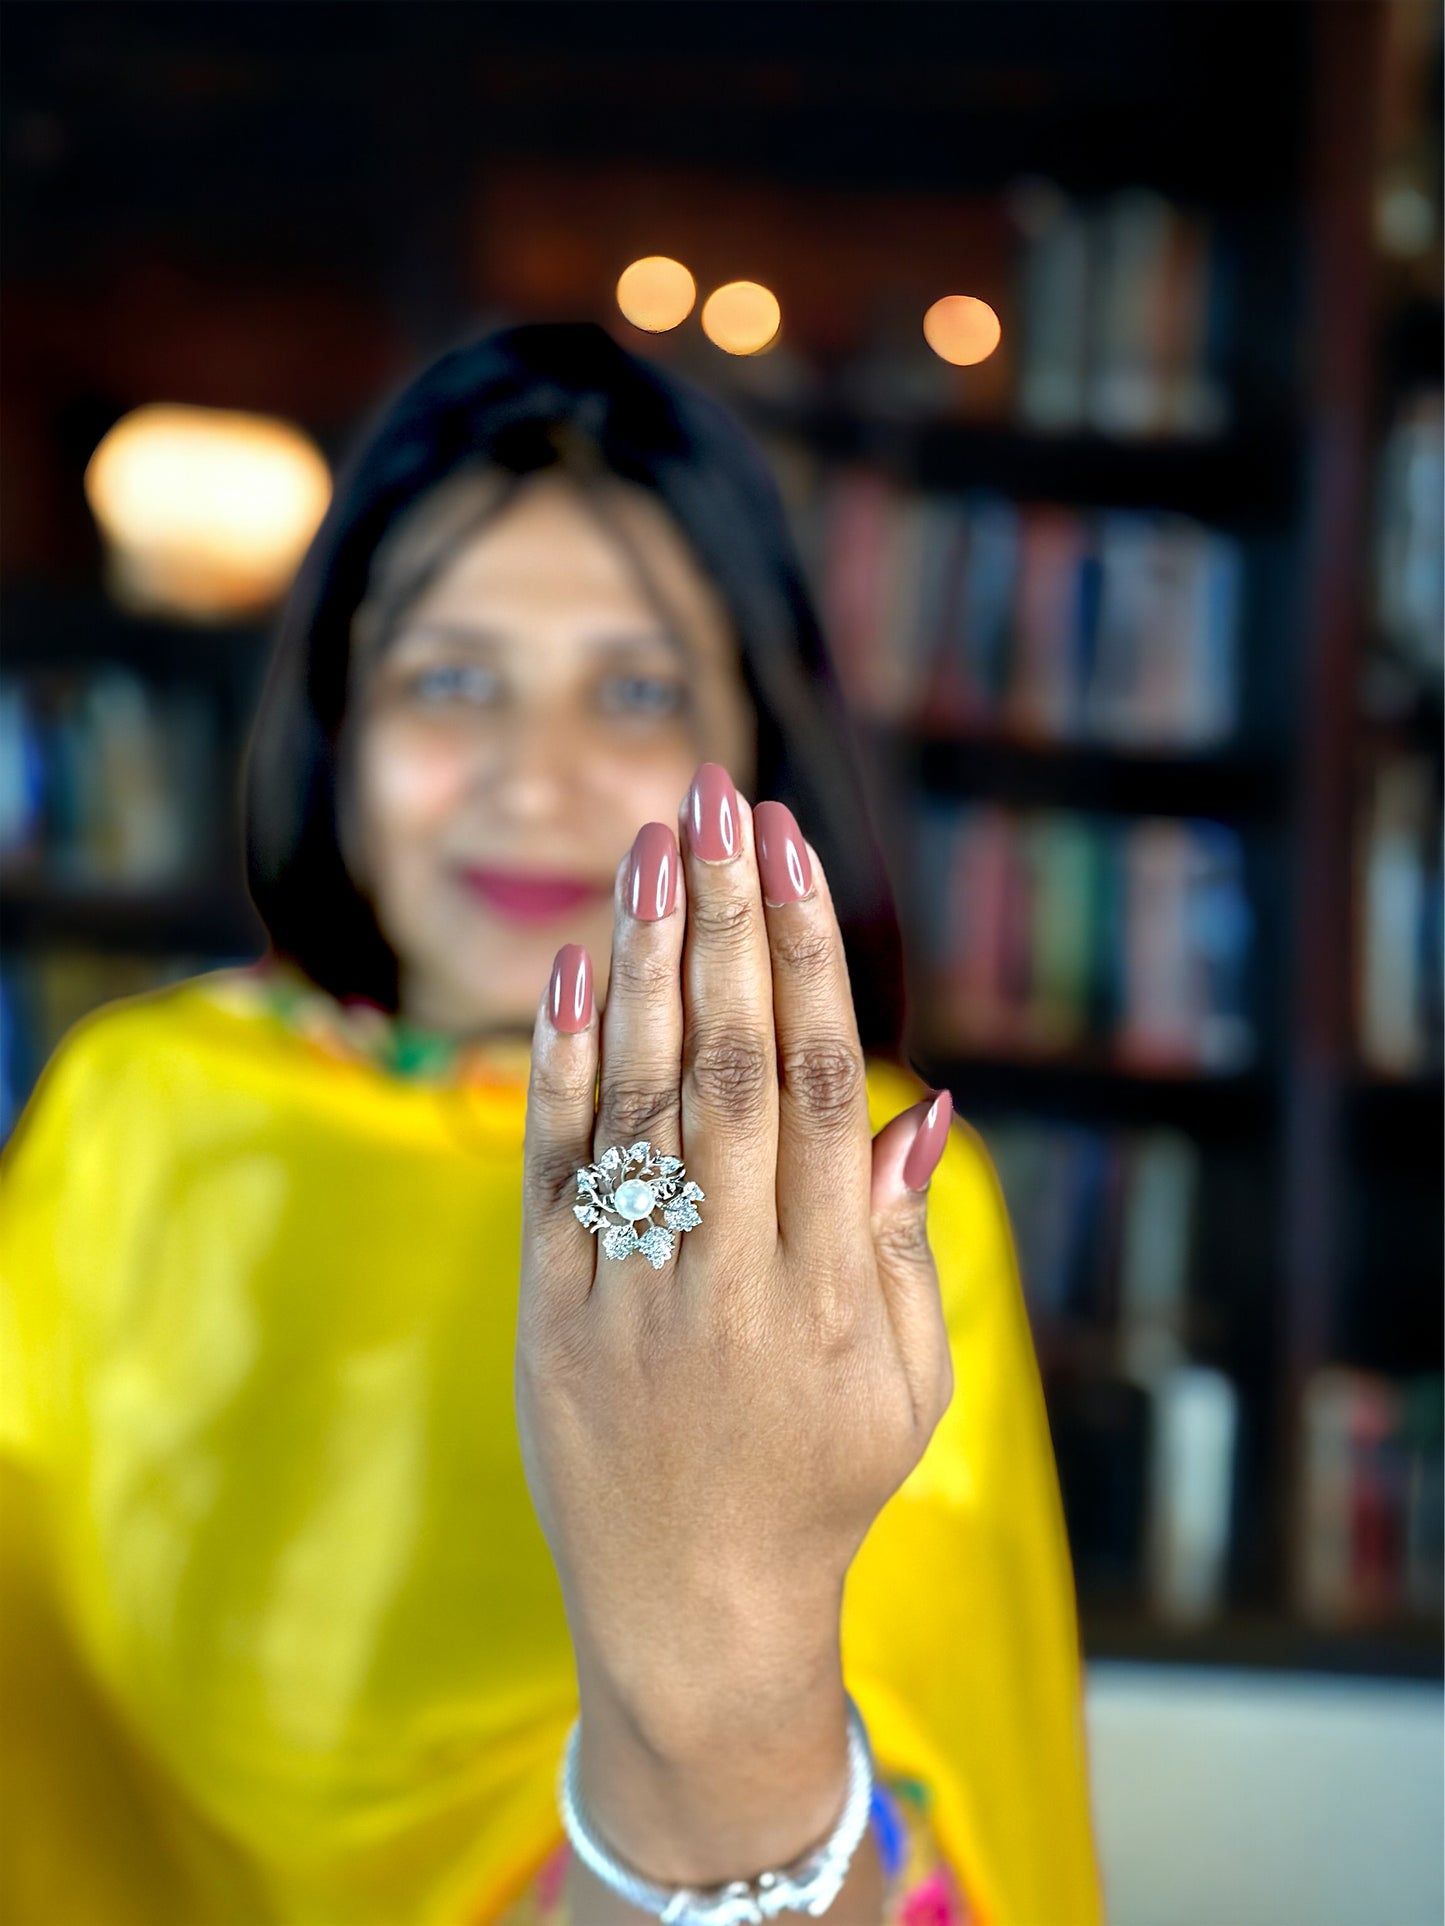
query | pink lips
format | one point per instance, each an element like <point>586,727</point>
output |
<point>527,898</point>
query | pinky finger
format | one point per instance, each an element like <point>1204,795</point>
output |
<point>558,1257</point>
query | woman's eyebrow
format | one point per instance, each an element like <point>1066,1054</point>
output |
<point>605,641</point>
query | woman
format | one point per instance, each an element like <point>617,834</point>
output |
<point>344,1469</point>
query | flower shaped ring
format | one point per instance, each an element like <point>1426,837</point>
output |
<point>621,1192</point>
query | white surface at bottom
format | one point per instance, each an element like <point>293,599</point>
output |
<point>1225,1798</point>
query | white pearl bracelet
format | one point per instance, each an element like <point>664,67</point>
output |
<point>809,1885</point>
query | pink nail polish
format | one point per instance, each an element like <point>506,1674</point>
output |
<point>569,995</point>
<point>782,854</point>
<point>652,875</point>
<point>712,814</point>
<point>927,1146</point>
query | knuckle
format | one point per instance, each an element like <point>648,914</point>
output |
<point>551,1176</point>
<point>633,1110</point>
<point>728,922</point>
<point>562,1086</point>
<point>801,943</point>
<point>825,1077</point>
<point>902,1238</point>
<point>731,1073</point>
<point>642,972</point>
<point>836,1314</point>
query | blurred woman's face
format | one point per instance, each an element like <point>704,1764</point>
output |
<point>527,713</point>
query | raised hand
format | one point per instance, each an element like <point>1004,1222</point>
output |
<point>708,1443</point>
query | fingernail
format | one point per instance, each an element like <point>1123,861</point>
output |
<point>652,877</point>
<point>712,814</point>
<point>569,995</point>
<point>927,1146</point>
<point>782,854</point>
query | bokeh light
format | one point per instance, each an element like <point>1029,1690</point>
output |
<point>741,317</point>
<point>205,512</point>
<point>962,329</point>
<point>656,293</point>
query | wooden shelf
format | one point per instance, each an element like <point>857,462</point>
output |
<point>1092,1089</point>
<point>195,917</point>
<point>1235,479</point>
<point>47,626</point>
<point>1399,1121</point>
<point>1224,787</point>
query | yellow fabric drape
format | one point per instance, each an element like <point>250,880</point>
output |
<point>282,1642</point>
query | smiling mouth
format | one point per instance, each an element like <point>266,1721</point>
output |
<point>525,897</point>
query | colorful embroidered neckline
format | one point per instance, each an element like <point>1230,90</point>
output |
<point>358,1031</point>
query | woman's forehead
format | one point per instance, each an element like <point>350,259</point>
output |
<point>603,557</point>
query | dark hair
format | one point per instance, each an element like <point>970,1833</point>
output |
<point>523,398</point>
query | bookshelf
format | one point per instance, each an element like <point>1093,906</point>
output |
<point>1310,1278</point>
<point>1244,475</point>
<point>1262,1213</point>
<point>101,897</point>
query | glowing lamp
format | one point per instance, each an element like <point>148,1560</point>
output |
<point>741,317</point>
<point>656,293</point>
<point>205,512</point>
<point>961,329</point>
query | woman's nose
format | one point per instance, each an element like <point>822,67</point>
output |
<point>534,764</point>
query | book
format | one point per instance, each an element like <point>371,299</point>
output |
<point>1399,914</point>
<point>1354,1531</point>
<point>1194,1424</point>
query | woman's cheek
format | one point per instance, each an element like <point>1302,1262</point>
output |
<point>414,777</point>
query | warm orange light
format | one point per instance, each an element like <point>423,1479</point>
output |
<point>741,317</point>
<point>656,293</point>
<point>961,329</point>
<point>205,512</point>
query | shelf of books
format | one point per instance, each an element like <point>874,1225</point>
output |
<point>119,815</point>
<point>1075,639</point>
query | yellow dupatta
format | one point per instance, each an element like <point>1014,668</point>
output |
<point>282,1641</point>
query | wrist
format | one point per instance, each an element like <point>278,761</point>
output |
<point>684,1679</point>
<point>743,1784</point>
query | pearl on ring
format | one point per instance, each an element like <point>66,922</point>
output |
<point>634,1199</point>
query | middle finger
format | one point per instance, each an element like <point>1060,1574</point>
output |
<point>729,1058</point>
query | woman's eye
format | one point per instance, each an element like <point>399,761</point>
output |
<point>453,682</point>
<point>645,695</point>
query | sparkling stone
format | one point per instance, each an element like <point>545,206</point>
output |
<point>634,1199</point>
<point>693,1191</point>
<point>682,1216</point>
<point>619,1240</point>
<point>585,1214</point>
<point>656,1246</point>
<point>667,1165</point>
<point>639,1153</point>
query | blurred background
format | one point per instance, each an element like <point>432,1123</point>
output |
<point>1097,349</point>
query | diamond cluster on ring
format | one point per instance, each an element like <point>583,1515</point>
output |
<point>622,1191</point>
